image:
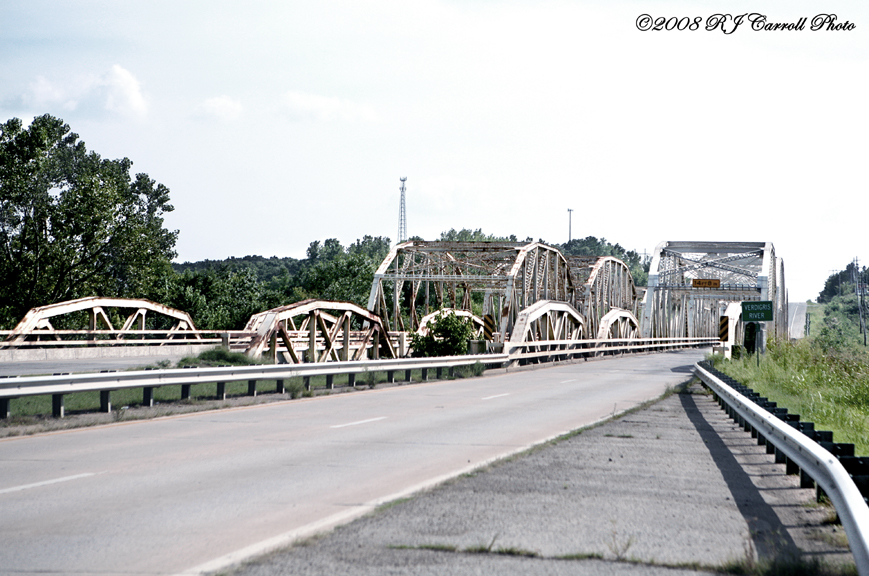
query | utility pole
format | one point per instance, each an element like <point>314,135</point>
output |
<point>569,225</point>
<point>860,290</point>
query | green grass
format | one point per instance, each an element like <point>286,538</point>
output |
<point>825,385</point>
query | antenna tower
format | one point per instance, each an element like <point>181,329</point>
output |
<point>402,215</point>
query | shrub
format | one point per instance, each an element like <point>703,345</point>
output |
<point>448,335</point>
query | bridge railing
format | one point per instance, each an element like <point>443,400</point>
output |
<point>61,384</point>
<point>813,459</point>
<point>74,338</point>
<point>563,349</point>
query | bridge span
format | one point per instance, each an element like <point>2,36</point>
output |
<point>514,293</point>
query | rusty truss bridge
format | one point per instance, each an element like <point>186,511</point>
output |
<point>525,296</point>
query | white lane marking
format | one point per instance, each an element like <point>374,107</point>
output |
<point>566,381</point>
<point>345,516</point>
<point>46,482</point>
<point>495,396</point>
<point>359,422</point>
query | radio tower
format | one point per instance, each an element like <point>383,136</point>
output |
<point>402,215</point>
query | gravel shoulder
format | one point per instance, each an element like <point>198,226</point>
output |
<point>675,488</point>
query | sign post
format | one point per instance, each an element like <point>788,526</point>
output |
<point>758,311</point>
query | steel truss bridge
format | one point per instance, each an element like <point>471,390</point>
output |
<point>692,284</point>
<point>516,294</point>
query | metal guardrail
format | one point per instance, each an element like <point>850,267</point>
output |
<point>105,382</point>
<point>819,464</point>
<point>59,384</point>
<point>591,347</point>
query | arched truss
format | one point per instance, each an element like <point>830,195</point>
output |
<point>692,283</point>
<point>319,331</point>
<point>618,323</point>
<point>476,320</point>
<point>37,321</point>
<point>548,320</point>
<point>503,278</point>
<point>604,283</point>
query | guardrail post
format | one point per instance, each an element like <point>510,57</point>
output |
<point>5,408</point>
<point>251,388</point>
<point>390,376</point>
<point>407,374</point>
<point>221,391</point>
<point>280,388</point>
<point>425,374</point>
<point>185,391</point>
<point>57,405</point>
<point>439,372</point>
<point>148,396</point>
<point>351,379</point>
<point>306,380</point>
<point>330,381</point>
<point>106,401</point>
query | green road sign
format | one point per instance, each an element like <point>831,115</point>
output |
<point>757,311</point>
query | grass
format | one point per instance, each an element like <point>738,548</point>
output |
<point>829,387</point>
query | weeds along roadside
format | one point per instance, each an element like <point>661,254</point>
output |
<point>825,385</point>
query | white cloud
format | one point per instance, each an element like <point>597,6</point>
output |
<point>220,107</point>
<point>327,108</point>
<point>117,91</point>
<point>124,94</point>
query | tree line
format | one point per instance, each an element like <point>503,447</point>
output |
<point>73,224</point>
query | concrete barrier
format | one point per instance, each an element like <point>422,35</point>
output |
<point>71,353</point>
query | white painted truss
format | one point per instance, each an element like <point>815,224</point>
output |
<point>691,285</point>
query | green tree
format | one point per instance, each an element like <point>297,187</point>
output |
<point>591,246</point>
<point>448,335</point>
<point>218,299</point>
<point>73,224</point>
<point>466,235</point>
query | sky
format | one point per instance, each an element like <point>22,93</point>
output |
<point>275,124</point>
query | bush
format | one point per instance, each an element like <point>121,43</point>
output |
<point>448,335</point>
<point>217,357</point>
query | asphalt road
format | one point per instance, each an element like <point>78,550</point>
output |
<point>201,491</point>
<point>797,319</point>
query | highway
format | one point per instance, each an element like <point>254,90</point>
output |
<point>197,492</point>
<point>797,319</point>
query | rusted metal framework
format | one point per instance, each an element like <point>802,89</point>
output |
<point>319,331</point>
<point>493,279</point>
<point>36,324</point>
<point>692,283</point>
<point>604,283</point>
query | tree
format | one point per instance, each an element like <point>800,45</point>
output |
<point>218,299</point>
<point>73,224</point>
<point>447,335</point>
<point>591,246</point>
<point>467,235</point>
